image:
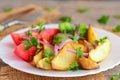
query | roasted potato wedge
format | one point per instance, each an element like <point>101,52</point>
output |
<point>76,45</point>
<point>92,35</point>
<point>101,51</point>
<point>44,64</point>
<point>37,57</point>
<point>87,63</point>
<point>64,58</point>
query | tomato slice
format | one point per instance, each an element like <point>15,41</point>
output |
<point>25,54</point>
<point>52,31</point>
<point>48,34</point>
<point>17,38</point>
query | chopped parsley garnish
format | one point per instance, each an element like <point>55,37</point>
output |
<point>48,61</point>
<point>32,42</point>
<point>79,52</point>
<point>103,19</point>
<point>116,76</point>
<point>82,29</point>
<point>76,37</point>
<point>117,28</point>
<point>74,67</point>
<point>41,26</point>
<point>33,26</point>
<point>7,10</point>
<point>66,19</point>
<point>49,9</point>
<point>102,40</point>
<point>117,16</point>
<point>48,53</point>
<point>28,33</point>
<point>58,39</point>
<point>83,10</point>
<point>66,27</point>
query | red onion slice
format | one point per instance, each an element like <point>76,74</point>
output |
<point>64,42</point>
<point>45,43</point>
<point>60,34</point>
<point>26,37</point>
<point>56,48</point>
<point>74,52</point>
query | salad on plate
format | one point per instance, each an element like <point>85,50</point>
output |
<point>68,47</point>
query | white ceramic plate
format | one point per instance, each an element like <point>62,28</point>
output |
<point>6,54</point>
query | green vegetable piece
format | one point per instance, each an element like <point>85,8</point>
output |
<point>7,10</point>
<point>117,16</point>
<point>76,37</point>
<point>28,33</point>
<point>117,28</point>
<point>65,19</point>
<point>33,26</point>
<point>103,19</point>
<point>66,27</point>
<point>74,67</point>
<point>82,29</point>
<point>32,42</point>
<point>41,26</point>
<point>27,47</point>
<point>79,52</point>
<point>58,39</point>
<point>115,77</point>
<point>48,61</point>
<point>83,10</point>
<point>102,40</point>
<point>48,53</point>
<point>26,42</point>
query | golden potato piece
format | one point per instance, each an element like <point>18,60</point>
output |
<point>101,51</point>
<point>87,63</point>
<point>92,35</point>
<point>76,45</point>
<point>44,64</point>
<point>37,57</point>
<point>64,59</point>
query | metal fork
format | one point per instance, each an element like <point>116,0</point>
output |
<point>20,20</point>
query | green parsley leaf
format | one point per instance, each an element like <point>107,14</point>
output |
<point>103,19</point>
<point>58,39</point>
<point>28,33</point>
<point>82,29</point>
<point>33,26</point>
<point>27,47</point>
<point>26,42</point>
<point>7,10</point>
<point>66,27</point>
<point>48,53</point>
<point>74,67</point>
<point>76,38</point>
<point>102,40</point>
<point>83,10</point>
<point>49,9</point>
<point>48,61</point>
<point>66,19</point>
<point>41,26</point>
<point>117,28</point>
<point>32,42</point>
<point>115,77</point>
<point>117,16</point>
<point>79,52</point>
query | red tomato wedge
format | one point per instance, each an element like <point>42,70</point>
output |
<point>48,34</point>
<point>17,38</point>
<point>25,54</point>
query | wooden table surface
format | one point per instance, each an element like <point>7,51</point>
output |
<point>69,7</point>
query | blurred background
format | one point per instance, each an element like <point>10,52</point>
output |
<point>80,11</point>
